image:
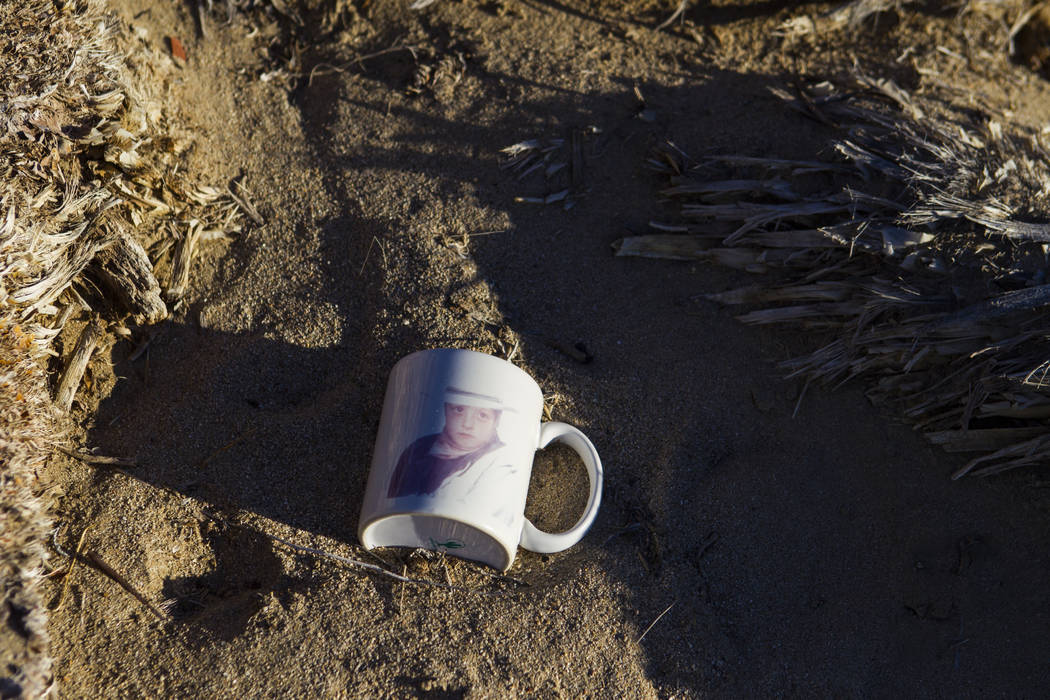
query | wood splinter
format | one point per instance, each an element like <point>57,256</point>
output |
<point>69,382</point>
<point>185,249</point>
<point>97,460</point>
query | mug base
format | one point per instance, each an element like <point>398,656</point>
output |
<point>436,533</point>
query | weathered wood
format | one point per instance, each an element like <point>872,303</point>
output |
<point>666,246</point>
<point>818,292</point>
<point>679,247</point>
<point>78,361</point>
<point>993,309</point>
<point>710,190</point>
<point>125,270</point>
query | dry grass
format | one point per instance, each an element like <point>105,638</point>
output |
<point>89,181</point>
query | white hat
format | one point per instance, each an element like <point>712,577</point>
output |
<point>461,397</point>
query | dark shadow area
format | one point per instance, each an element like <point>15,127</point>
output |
<point>703,12</point>
<point>265,427</point>
<point>429,688</point>
<point>823,554</point>
<point>708,13</point>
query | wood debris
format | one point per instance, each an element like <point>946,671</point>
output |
<point>185,249</point>
<point>921,247</point>
<point>97,460</point>
<point>561,163</point>
<point>849,15</point>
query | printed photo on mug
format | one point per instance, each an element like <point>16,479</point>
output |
<point>471,458</point>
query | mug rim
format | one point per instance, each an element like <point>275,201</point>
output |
<point>517,369</point>
<point>508,553</point>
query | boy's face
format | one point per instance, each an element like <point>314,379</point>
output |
<point>469,427</point>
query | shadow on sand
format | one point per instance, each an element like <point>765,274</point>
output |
<point>824,554</point>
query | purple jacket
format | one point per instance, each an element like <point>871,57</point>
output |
<point>419,473</point>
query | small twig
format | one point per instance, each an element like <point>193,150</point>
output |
<point>706,545</point>
<point>225,447</point>
<point>72,563</point>
<point>401,600</point>
<point>200,21</point>
<point>372,553</point>
<point>576,352</point>
<point>651,624</point>
<point>801,395</point>
<point>622,531</point>
<point>56,545</point>
<point>359,61</point>
<point>239,193</point>
<point>369,252</point>
<point>97,460</point>
<point>502,577</point>
<point>514,351</point>
<point>109,571</point>
<point>674,16</point>
<point>143,346</point>
<point>444,567</point>
<point>1019,24</point>
<point>361,564</point>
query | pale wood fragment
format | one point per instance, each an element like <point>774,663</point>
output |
<point>78,361</point>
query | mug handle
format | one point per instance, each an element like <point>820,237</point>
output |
<point>537,540</point>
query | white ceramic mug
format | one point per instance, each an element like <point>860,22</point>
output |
<point>454,455</point>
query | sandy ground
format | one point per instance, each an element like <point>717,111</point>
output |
<point>822,553</point>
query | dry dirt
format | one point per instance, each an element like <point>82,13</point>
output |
<point>823,552</point>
